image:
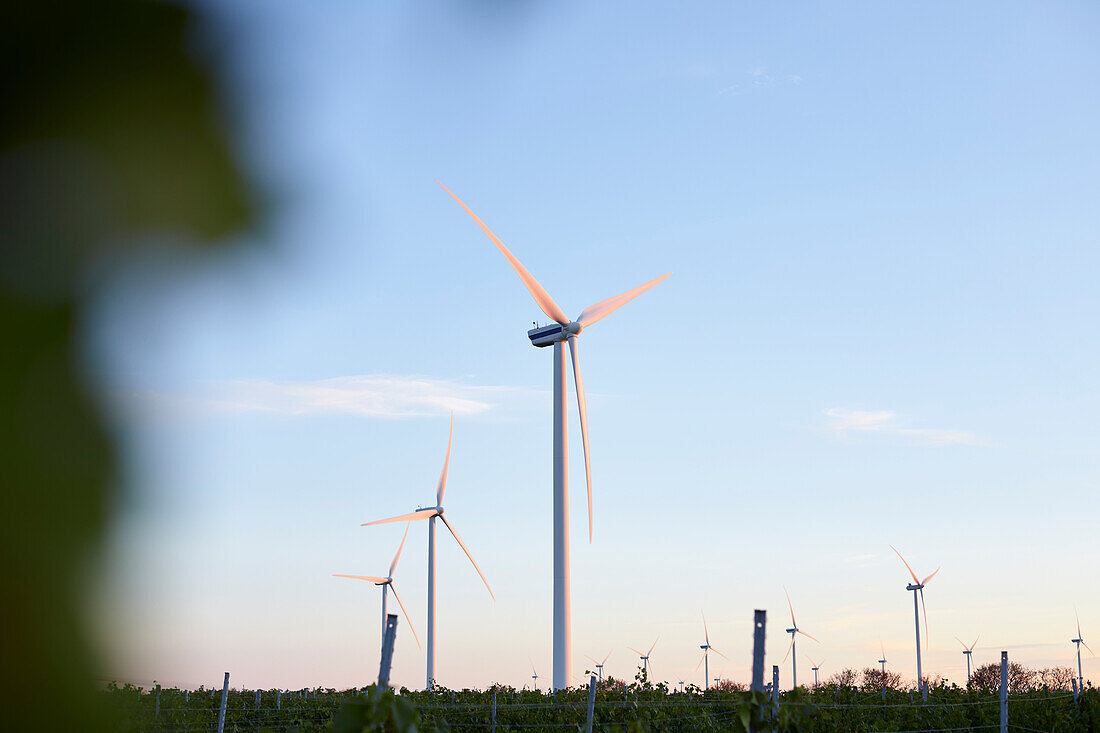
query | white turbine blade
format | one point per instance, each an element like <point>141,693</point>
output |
<point>604,308</point>
<point>594,660</point>
<point>789,649</point>
<point>606,658</point>
<point>654,644</point>
<point>393,565</point>
<point>723,656</point>
<point>370,578</point>
<point>1087,647</point>
<point>1078,617</point>
<point>582,408</point>
<point>925,609</point>
<point>800,631</point>
<point>932,575</point>
<point>635,651</point>
<point>790,606</point>
<point>705,634</point>
<point>529,659</point>
<point>964,646</point>
<point>915,581</point>
<point>701,660</point>
<point>411,627</point>
<point>975,642</point>
<point>472,560</point>
<point>414,517</point>
<point>442,487</point>
<point>549,307</point>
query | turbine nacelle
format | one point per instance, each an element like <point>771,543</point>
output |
<point>912,586</point>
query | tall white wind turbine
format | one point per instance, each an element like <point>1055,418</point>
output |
<point>645,657</point>
<point>791,651</point>
<point>707,648</point>
<point>563,330</point>
<point>1079,641</point>
<point>599,665</point>
<point>387,584</point>
<point>431,514</point>
<point>968,650</point>
<point>917,586</point>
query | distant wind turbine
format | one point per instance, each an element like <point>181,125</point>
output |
<point>968,650</point>
<point>1079,641</point>
<point>599,665</point>
<point>645,657</point>
<point>681,684</point>
<point>706,647</point>
<point>791,651</point>
<point>917,586</point>
<point>883,661</point>
<point>563,330</point>
<point>387,584</point>
<point>816,666</point>
<point>431,514</point>
<point>534,675</point>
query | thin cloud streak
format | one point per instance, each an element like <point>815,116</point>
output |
<point>381,396</point>
<point>843,423</point>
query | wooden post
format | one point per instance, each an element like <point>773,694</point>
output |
<point>760,619</point>
<point>494,720</point>
<point>225,699</point>
<point>591,704</point>
<point>387,651</point>
<point>1004,692</point>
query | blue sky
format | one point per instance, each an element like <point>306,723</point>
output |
<point>881,225</point>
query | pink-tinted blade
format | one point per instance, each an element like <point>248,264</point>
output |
<point>1075,615</point>
<point>789,648</point>
<point>529,660</point>
<point>723,656</point>
<point>472,560</point>
<point>414,517</point>
<point>705,634</point>
<point>393,565</point>
<point>654,644</point>
<point>808,636</point>
<point>545,302</point>
<point>594,660</point>
<point>368,578</point>
<point>975,642</point>
<point>925,610</point>
<point>964,646</point>
<point>582,408</point>
<point>931,576</point>
<point>411,627</point>
<point>606,658</point>
<point>604,308</point>
<point>442,487</point>
<point>701,660</point>
<point>790,606</point>
<point>635,651</point>
<point>915,581</point>
<point>1087,647</point>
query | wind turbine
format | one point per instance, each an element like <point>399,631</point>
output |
<point>645,657</point>
<point>968,650</point>
<point>387,584</point>
<point>883,662</point>
<point>563,330</point>
<point>681,684</point>
<point>534,675</point>
<point>599,665</point>
<point>791,651</point>
<point>917,586</point>
<point>431,514</point>
<point>1079,641</point>
<point>816,666</point>
<point>705,662</point>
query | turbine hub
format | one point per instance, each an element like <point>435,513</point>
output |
<point>572,328</point>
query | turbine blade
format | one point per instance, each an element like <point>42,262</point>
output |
<point>594,661</point>
<point>789,649</point>
<point>582,408</point>
<point>705,634</point>
<point>701,660</point>
<point>413,517</point>
<point>370,578</point>
<point>606,658</point>
<point>800,631</point>
<point>411,627</point>
<point>529,660</point>
<point>723,656</point>
<point>472,560</point>
<point>441,489</point>
<point>1087,646</point>
<point>925,609</point>
<point>604,308</point>
<point>393,565</point>
<point>635,651</point>
<point>964,646</point>
<point>1075,614</point>
<point>975,642</point>
<point>931,576</point>
<point>790,606</point>
<point>915,581</point>
<point>545,302</point>
<point>654,644</point>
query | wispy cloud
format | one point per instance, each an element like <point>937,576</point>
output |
<point>758,77</point>
<point>371,395</point>
<point>843,423</point>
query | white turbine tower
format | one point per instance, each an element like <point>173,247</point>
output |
<point>1079,641</point>
<point>387,584</point>
<point>431,514</point>
<point>791,651</point>
<point>645,657</point>
<point>599,665</point>
<point>563,330</point>
<point>815,666</point>
<point>707,648</point>
<point>917,586</point>
<point>968,650</point>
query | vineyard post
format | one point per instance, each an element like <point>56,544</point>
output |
<point>1004,692</point>
<point>494,719</point>
<point>279,700</point>
<point>225,698</point>
<point>591,704</point>
<point>758,627</point>
<point>1075,688</point>
<point>387,651</point>
<point>156,712</point>
<point>257,699</point>
<point>775,689</point>
<point>187,696</point>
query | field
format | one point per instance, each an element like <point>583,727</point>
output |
<point>636,707</point>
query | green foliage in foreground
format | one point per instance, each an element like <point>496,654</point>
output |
<point>619,707</point>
